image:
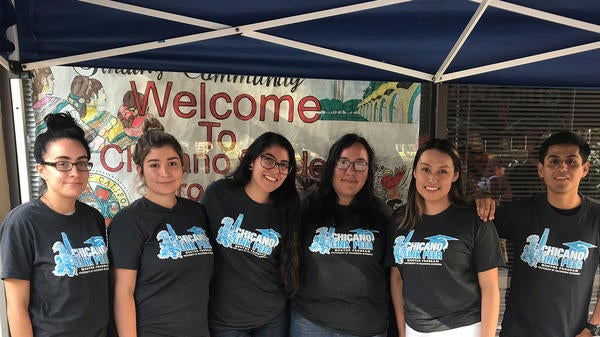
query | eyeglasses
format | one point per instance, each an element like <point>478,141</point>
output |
<point>82,166</point>
<point>269,163</point>
<point>358,166</point>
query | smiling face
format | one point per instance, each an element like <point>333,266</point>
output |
<point>265,180</point>
<point>64,184</point>
<point>347,183</point>
<point>434,175</point>
<point>563,169</point>
<point>162,173</point>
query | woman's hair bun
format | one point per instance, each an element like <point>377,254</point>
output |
<point>61,121</point>
<point>152,124</point>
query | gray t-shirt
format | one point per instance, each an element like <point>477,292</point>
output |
<point>247,290</point>
<point>173,257</point>
<point>344,279</point>
<point>556,257</point>
<point>439,260</point>
<point>65,259</point>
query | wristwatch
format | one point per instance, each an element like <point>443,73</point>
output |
<point>594,329</point>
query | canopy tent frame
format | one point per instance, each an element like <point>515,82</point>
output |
<point>250,30</point>
<point>219,30</point>
<point>11,35</point>
<point>4,63</point>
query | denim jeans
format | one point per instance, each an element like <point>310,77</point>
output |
<point>302,327</point>
<point>277,327</point>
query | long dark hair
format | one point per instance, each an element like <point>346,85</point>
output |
<point>59,125</point>
<point>285,200</point>
<point>415,204</point>
<point>324,199</point>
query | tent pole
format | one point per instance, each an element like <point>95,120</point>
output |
<point>130,49</point>
<point>4,63</point>
<point>18,104</point>
<point>563,20</point>
<point>520,61</point>
<point>342,56</point>
<point>156,14</point>
<point>463,37</point>
<point>203,36</point>
<point>255,26</point>
<point>250,30</point>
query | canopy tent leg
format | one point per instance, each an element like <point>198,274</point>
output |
<point>21,143</point>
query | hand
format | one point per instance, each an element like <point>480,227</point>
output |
<point>585,333</point>
<point>486,207</point>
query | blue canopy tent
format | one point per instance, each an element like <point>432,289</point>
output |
<point>521,42</point>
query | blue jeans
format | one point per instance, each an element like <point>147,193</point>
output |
<point>302,327</point>
<point>277,327</point>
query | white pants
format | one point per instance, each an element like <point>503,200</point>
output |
<point>473,330</point>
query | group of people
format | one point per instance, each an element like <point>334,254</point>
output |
<point>252,259</point>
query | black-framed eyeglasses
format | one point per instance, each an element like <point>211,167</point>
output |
<point>82,166</point>
<point>358,166</point>
<point>269,162</point>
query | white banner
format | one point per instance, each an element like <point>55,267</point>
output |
<point>215,117</point>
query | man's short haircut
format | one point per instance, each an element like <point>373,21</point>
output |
<point>565,138</point>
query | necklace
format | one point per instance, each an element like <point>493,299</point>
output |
<point>49,203</point>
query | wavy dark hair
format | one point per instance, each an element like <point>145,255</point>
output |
<point>285,200</point>
<point>415,204</point>
<point>365,204</point>
<point>59,125</point>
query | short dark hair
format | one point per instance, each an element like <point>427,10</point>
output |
<point>564,138</point>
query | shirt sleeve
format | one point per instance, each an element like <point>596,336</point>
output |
<point>209,193</point>
<point>502,222</point>
<point>488,253</point>
<point>389,247</point>
<point>17,248</point>
<point>125,242</point>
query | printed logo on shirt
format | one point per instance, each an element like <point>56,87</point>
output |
<point>557,259</point>
<point>179,246</point>
<point>358,242</point>
<point>74,261</point>
<point>421,253</point>
<point>260,244</point>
